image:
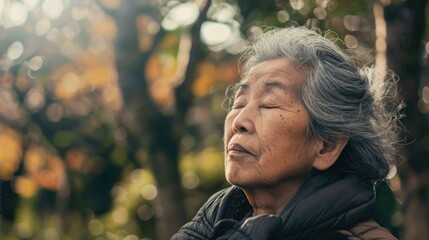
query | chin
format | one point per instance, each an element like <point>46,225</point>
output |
<point>233,179</point>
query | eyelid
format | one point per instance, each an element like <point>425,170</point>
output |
<point>268,106</point>
<point>237,105</point>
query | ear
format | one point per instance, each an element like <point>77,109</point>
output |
<point>328,152</point>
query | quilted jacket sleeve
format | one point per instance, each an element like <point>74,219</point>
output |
<point>367,230</point>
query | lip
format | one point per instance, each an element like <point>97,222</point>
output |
<point>235,148</point>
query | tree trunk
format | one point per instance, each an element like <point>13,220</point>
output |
<point>154,130</point>
<point>405,27</point>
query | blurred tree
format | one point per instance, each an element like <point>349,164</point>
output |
<point>156,125</point>
<point>406,24</point>
<point>52,107</point>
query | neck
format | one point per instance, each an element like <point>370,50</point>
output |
<point>271,200</point>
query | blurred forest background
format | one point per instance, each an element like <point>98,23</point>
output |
<point>111,112</point>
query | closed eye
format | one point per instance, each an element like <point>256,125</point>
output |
<point>268,106</point>
<point>238,106</point>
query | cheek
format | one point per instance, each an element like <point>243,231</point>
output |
<point>283,137</point>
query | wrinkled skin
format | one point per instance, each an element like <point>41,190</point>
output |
<point>268,150</point>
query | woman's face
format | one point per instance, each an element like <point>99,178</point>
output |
<point>266,132</point>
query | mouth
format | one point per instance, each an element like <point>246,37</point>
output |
<point>236,148</point>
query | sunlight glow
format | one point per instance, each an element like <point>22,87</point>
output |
<point>320,13</point>
<point>15,50</point>
<point>213,33</point>
<point>35,99</point>
<point>120,215</point>
<point>51,234</point>
<point>17,13</point>
<point>24,230</point>
<point>131,237</point>
<point>52,9</point>
<point>350,41</point>
<point>96,227</point>
<point>351,22</point>
<point>296,4</point>
<point>42,26</point>
<point>79,13</point>
<point>55,112</point>
<point>283,16</point>
<point>30,4</point>
<point>71,81</point>
<point>10,152</point>
<point>224,13</point>
<point>181,15</point>
<point>35,63</point>
<point>190,180</point>
<point>53,35</point>
<point>149,192</point>
<point>111,3</point>
<point>119,193</point>
<point>25,187</point>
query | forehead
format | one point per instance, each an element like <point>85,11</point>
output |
<point>280,73</point>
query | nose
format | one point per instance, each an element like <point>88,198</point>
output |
<point>244,120</point>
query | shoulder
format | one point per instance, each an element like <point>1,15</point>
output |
<point>202,225</point>
<point>367,230</point>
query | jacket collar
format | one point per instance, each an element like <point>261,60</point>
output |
<point>324,202</point>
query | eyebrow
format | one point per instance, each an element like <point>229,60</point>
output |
<point>279,85</point>
<point>268,86</point>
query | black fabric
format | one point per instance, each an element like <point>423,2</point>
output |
<point>324,203</point>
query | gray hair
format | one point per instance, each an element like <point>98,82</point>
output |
<point>340,97</point>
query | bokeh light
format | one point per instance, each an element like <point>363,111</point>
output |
<point>120,215</point>
<point>10,152</point>
<point>15,50</point>
<point>320,13</point>
<point>213,33</point>
<point>24,230</point>
<point>145,212</point>
<point>52,8</point>
<point>131,237</point>
<point>283,16</point>
<point>55,112</point>
<point>297,4</point>
<point>51,234</point>
<point>149,192</point>
<point>79,12</point>
<point>181,15</point>
<point>96,227</point>
<point>35,63</point>
<point>25,187</point>
<point>35,99</point>
<point>17,14</point>
<point>350,41</point>
<point>42,26</point>
<point>190,180</point>
<point>351,22</point>
<point>31,4</point>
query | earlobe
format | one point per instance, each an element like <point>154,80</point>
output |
<point>329,152</point>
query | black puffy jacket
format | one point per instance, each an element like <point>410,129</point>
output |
<point>324,205</point>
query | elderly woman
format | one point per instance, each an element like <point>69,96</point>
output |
<point>308,136</point>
